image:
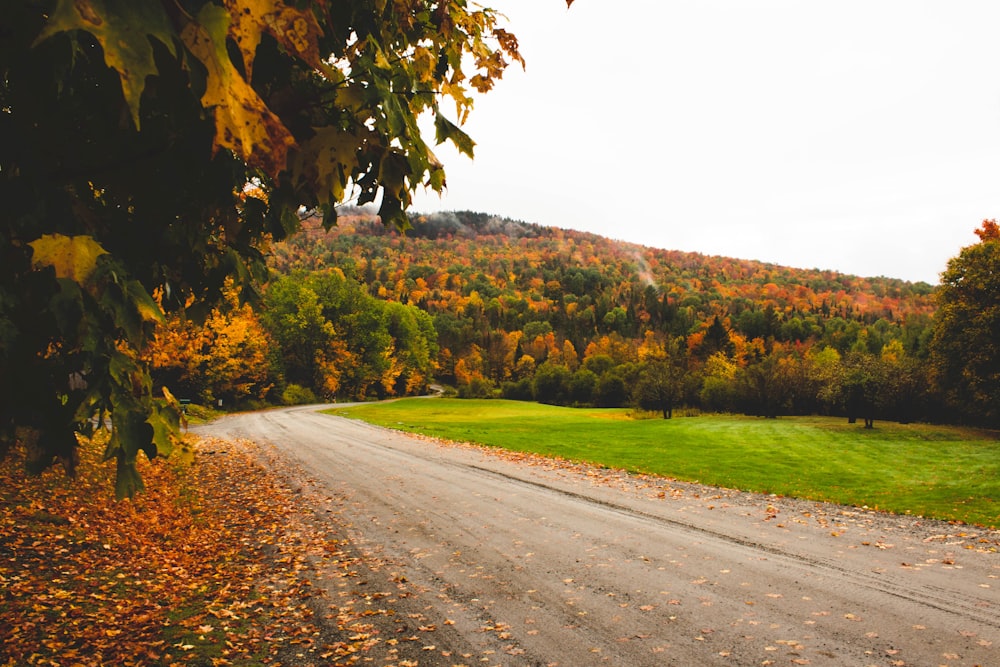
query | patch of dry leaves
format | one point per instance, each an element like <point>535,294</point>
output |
<point>205,567</point>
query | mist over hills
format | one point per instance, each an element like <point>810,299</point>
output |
<point>469,224</point>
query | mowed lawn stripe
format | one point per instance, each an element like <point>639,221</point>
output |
<point>937,471</point>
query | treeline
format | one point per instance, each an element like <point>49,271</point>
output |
<point>495,307</point>
<point>567,317</point>
<point>315,336</point>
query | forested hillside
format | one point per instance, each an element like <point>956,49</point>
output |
<point>586,285</point>
<point>569,317</point>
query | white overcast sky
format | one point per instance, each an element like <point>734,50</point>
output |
<point>857,136</point>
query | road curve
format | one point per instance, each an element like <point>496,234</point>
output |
<point>531,563</point>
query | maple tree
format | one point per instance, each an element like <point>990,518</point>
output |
<point>294,316</point>
<point>334,339</point>
<point>158,147</point>
<point>718,387</point>
<point>966,340</point>
<point>225,358</point>
<point>662,376</point>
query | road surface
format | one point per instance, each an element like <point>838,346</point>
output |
<point>527,562</point>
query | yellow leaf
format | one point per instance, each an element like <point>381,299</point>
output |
<point>73,257</point>
<point>325,162</point>
<point>296,30</point>
<point>243,123</point>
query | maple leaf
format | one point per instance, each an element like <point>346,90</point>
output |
<point>325,160</point>
<point>73,257</point>
<point>166,423</point>
<point>123,30</point>
<point>446,130</point>
<point>294,29</point>
<point>243,122</point>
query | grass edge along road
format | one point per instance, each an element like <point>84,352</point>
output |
<point>942,472</point>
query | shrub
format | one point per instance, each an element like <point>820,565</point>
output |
<point>295,394</point>
<point>478,387</point>
<point>518,391</point>
<point>611,392</point>
<point>581,387</point>
<point>551,384</point>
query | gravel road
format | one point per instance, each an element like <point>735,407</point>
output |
<point>523,561</point>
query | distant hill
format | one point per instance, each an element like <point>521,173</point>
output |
<point>575,279</point>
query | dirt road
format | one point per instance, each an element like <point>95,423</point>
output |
<point>521,561</point>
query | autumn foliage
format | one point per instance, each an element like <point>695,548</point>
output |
<point>158,148</point>
<point>541,313</point>
<point>211,565</point>
<point>225,357</point>
<point>497,307</point>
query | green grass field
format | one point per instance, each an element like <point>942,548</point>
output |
<point>935,471</point>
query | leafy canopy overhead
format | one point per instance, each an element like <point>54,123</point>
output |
<point>151,150</point>
<point>336,87</point>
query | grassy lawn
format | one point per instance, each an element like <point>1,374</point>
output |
<point>936,471</point>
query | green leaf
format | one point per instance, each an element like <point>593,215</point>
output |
<point>144,304</point>
<point>391,212</point>
<point>130,306</point>
<point>123,28</point>
<point>329,216</point>
<point>394,169</point>
<point>436,180</point>
<point>128,481</point>
<point>445,130</point>
<point>166,423</point>
<point>130,434</point>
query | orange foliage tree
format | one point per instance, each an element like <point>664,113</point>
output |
<point>226,358</point>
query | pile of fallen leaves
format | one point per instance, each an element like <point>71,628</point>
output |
<point>200,569</point>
